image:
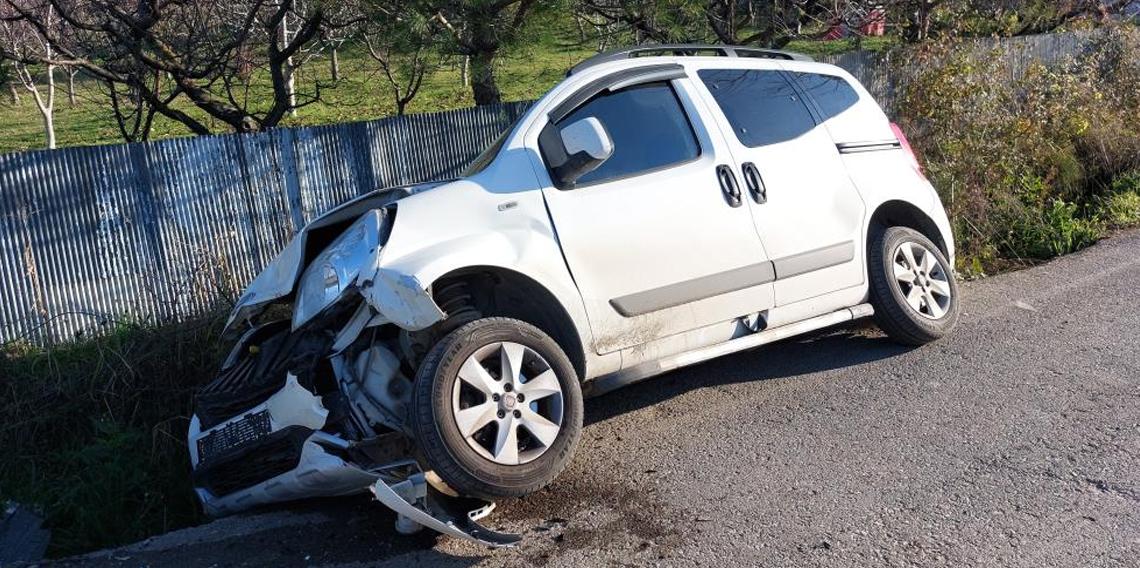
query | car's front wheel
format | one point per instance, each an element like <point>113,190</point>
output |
<point>912,287</point>
<point>498,409</point>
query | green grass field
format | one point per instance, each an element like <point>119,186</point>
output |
<point>363,93</point>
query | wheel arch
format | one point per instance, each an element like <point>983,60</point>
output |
<point>502,292</point>
<point>898,213</point>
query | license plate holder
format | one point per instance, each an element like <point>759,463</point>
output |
<point>232,436</point>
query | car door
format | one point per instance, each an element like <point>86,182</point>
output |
<point>807,210</point>
<point>651,239</point>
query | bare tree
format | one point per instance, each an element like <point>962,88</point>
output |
<point>593,28</point>
<point>406,46</point>
<point>650,21</point>
<point>205,49</point>
<point>30,57</point>
<point>475,29</point>
<point>71,72</point>
<point>768,23</point>
<point>405,72</point>
<point>347,18</point>
<point>288,68</point>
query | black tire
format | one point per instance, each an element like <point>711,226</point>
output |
<point>901,322</point>
<point>445,449</point>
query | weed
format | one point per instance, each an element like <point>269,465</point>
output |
<point>93,432</point>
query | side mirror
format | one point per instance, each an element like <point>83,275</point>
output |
<point>576,149</point>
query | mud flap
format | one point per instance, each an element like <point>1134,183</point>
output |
<point>418,503</point>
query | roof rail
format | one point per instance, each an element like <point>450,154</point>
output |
<point>688,49</point>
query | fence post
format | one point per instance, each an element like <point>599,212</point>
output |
<point>283,139</point>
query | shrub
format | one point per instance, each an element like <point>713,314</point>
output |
<point>1025,167</point>
<point>1120,209</point>
<point>1060,230</point>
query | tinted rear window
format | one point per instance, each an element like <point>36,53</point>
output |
<point>833,94</point>
<point>761,106</point>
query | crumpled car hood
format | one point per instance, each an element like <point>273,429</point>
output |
<point>279,277</point>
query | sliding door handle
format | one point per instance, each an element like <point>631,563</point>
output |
<point>755,183</point>
<point>728,186</point>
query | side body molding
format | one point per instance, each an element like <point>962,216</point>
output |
<point>717,284</point>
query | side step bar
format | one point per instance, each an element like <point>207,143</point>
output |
<point>644,371</point>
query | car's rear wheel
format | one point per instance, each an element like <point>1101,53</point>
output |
<point>912,287</point>
<point>498,409</point>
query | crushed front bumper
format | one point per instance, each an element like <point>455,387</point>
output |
<point>276,452</point>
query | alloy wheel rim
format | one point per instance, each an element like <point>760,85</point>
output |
<point>923,281</point>
<point>507,403</point>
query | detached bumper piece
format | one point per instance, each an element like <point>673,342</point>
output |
<point>274,452</point>
<point>403,488</point>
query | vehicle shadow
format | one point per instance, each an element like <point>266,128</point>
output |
<point>825,350</point>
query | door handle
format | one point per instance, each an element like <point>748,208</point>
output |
<point>755,183</point>
<point>728,186</point>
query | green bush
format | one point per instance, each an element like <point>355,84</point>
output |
<point>1026,167</point>
<point>1120,209</point>
<point>93,432</point>
<point>1060,230</point>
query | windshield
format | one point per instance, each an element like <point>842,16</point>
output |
<point>487,156</point>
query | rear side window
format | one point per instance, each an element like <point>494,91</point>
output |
<point>834,95</point>
<point>648,126</point>
<point>761,106</point>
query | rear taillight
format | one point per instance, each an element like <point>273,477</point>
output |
<point>906,148</point>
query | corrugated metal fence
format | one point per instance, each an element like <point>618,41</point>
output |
<point>161,230</point>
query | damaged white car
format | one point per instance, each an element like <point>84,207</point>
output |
<point>660,207</point>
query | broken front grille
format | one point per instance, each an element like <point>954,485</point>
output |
<point>236,390</point>
<point>251,464</point>
<point>257,374</point>
<point>267,356</point>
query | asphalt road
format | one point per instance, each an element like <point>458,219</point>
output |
<point>1015,442</point>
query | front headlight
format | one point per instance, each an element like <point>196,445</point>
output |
<point>336,268</point>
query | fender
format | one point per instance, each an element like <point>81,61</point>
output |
<point>464,225</point>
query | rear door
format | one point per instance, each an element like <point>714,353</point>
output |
<point>807,211</point>
<point>653,243</point>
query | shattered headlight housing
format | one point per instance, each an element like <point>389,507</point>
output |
<point>337,267</point>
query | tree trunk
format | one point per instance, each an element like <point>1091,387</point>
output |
<point>49,127</point>
<point>47,109</point>
<point>288,69</point>
<point>466,71</point>
<point>483,84</point>
<point>335,65</point>
<point>291,86</point>
<point>767,18</point>
<point>13,93</point>
<point>918,28</point>
<point>71,87</point>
